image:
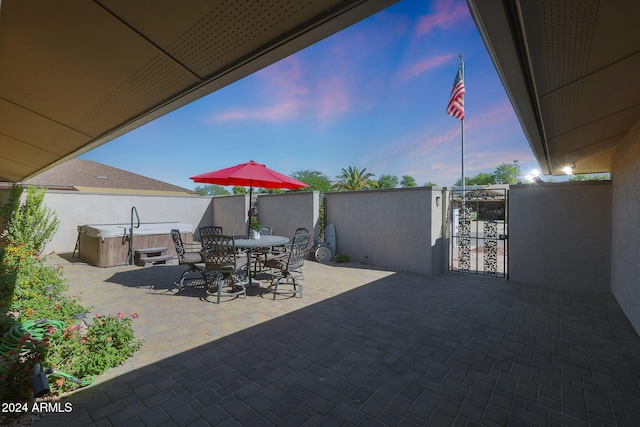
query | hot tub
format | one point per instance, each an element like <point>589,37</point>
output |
<point>107,245</point>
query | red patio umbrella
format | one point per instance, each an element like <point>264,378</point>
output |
<point>250,174</point>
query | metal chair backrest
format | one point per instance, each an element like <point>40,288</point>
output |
<point>299,248</point>
<point>177,242</point>
<point>210,229</point>
<point>219,250</point>
<point>301,230</point>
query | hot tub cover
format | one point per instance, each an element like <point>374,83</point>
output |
<point>118,230</point>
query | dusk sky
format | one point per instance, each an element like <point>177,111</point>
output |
<point>372,96</point>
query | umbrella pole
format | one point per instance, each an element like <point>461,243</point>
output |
<point>249,235</point>
<point>250,211</point>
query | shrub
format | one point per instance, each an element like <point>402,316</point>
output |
<point>342,258</point>
<point>30,223</point>
<point>86,350</point>
<point>17,366</point>
<point>30,290</point>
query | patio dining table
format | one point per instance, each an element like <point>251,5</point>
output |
<point>263,242</point>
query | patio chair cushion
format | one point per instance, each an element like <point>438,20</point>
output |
<point>192,257</point>
<point>279,262</point>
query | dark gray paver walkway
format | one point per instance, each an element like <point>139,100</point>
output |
<point>392,349</point>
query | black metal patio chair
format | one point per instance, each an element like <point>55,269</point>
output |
<point>187,255</point>
<point>221,267</point>
<point>210,229</point>
<point>286,267</point>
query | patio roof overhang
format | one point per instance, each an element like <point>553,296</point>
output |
<point>570,70</point>
<point>77,74</point>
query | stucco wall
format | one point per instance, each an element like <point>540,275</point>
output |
<point>625,267</point>
<point>439,231</point>
<point>230,213</point>
<point>560,235</point>
<point>74,209</point>
<point>392,228</point>
<point>288,211</point>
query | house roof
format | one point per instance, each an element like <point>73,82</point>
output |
<point>570,69</point>
<point>77,74</point>
<point>89,176</point>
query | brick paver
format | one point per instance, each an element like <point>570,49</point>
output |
<point>362,347</point>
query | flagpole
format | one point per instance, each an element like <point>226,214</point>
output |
<point>462,145</point>
<point>455,108</point>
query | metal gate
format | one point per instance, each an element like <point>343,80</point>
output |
<point>479,231</point>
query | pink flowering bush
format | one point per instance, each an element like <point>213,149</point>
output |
<point>90,349</point>
<point>16,367</point>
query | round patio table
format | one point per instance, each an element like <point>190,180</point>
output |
<point>262,242</point>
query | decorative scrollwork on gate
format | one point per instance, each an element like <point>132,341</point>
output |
<point>464,240</point>
<point>491,248</point>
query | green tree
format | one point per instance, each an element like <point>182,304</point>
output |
<point>482,178</point>
<point>31,223</point>
<point>583,177</point>
<point>429,184</point>
<point>505,174</point>
<point>388,181</point>
<point>268,190</point>
<point>239,190</point>
<point>317,180</point>
<point>353,179</point>
<point>211,190</point>
<point>407,181</point>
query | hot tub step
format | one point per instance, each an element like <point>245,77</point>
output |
<point>148,261</point>
<point>148,257</point>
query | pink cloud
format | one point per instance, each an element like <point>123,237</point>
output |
<point>446,14</point>
<point>419,148</point>
<point>423,66</point>
<point>433,154</point>
<point>433,158</point>
<point>289,91</point>
<point>278,112</point>
<point>498,113</point>
<point>360,41</point>
<point>282,84</point>
<point>482,148</point>
<point>285,78</point>
<point>334,98</point>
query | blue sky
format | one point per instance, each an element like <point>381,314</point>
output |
<point>372,96</point>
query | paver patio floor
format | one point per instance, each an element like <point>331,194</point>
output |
<point>363,347</point>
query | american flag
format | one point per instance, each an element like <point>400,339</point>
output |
<point>455,108</point>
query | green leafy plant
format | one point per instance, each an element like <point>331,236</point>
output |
<point>31,290</point>
<point>342,258</point>
<point>30,223</point>
<point>17,366</point>
<point>254,224</point>
<point>90,349</point>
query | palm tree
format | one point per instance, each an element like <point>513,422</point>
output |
<point>407,181</point>
<point>353,179</point>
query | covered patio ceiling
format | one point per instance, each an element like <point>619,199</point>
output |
<point>570,68</point>
<point>77,74</point>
